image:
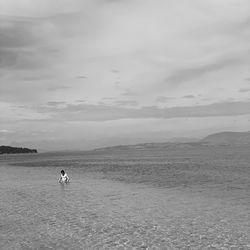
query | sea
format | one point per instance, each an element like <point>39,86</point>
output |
<point>187,198</point>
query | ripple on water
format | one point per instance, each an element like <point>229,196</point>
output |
<point>39,213</point>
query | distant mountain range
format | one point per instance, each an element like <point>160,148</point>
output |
<point>183,139</point>
<point>222,138</point>
<point>229,138</point>
<point>15,150</point>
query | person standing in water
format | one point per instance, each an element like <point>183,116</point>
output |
<point>64,177</point>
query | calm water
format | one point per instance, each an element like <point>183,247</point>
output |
<point>95,211</point>
<point>35,209</point>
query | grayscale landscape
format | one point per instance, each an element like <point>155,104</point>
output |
<point>125,124</point>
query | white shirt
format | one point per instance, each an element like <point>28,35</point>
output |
<point>64,177</point>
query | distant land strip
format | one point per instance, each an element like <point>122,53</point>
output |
<point>16,150</point>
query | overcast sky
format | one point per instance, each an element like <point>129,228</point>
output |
<point>89,73</point>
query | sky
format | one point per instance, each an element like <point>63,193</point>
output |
<point>81,74</point>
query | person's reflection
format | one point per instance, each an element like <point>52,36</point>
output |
<point>63,185</point>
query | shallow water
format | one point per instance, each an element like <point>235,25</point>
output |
<point>93,212</point>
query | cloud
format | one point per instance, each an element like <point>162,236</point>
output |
<point>188,96</point>
<point>80,101</point>
<point>108,98</point>
<point>128,92</point>
<point>19,59</point>
<point>4,131</point>
<point>39,9</point>
<point>163,99</point>
<point>56,88</point>
<point>11,113</point>
<point>189,74</point>
<point>82,77</point>
<point>244,90</point>
<point>17,33</point>
<point>33,77</point>
<point>24,45</point>
<point>126,103</point>
<point>16,44</point>
<point>55,103</point>
<point>102,112</point>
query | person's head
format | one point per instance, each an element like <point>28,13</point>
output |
<point>62,172</point>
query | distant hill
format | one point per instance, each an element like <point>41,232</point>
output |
<point>223,138</point>
<point>15,150</point>
<point>174,142</point>
<point>183,139</point>
<point>228,138</point>
<point>151,146</point>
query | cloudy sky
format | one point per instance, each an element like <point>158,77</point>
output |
<point>89,73</point>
